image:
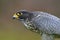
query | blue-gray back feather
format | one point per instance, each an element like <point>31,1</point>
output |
<point>46,22</point>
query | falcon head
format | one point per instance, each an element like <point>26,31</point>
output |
<point>22,15</point>
<point>26,16</point>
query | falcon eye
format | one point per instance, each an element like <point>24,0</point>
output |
<point>19,14</point>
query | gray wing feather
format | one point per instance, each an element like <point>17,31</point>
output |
<point>47,23</point>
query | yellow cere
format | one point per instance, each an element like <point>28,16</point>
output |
<point>16,16</point>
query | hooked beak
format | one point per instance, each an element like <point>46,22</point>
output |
<point>15,16</point>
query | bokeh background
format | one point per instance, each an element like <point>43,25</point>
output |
<point>13,29</point>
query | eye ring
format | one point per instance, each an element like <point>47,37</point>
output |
<point>17,13</point>
<point>21,13</point>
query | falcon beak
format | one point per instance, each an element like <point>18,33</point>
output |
<point>15,16</point>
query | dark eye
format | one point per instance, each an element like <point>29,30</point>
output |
<point>19,14</point>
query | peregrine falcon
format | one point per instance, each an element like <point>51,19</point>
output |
<point>41,22</point>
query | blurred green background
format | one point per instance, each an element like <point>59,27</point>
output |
<point>13,29</point>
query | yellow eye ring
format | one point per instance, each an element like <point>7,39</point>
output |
<point>19,14</point>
